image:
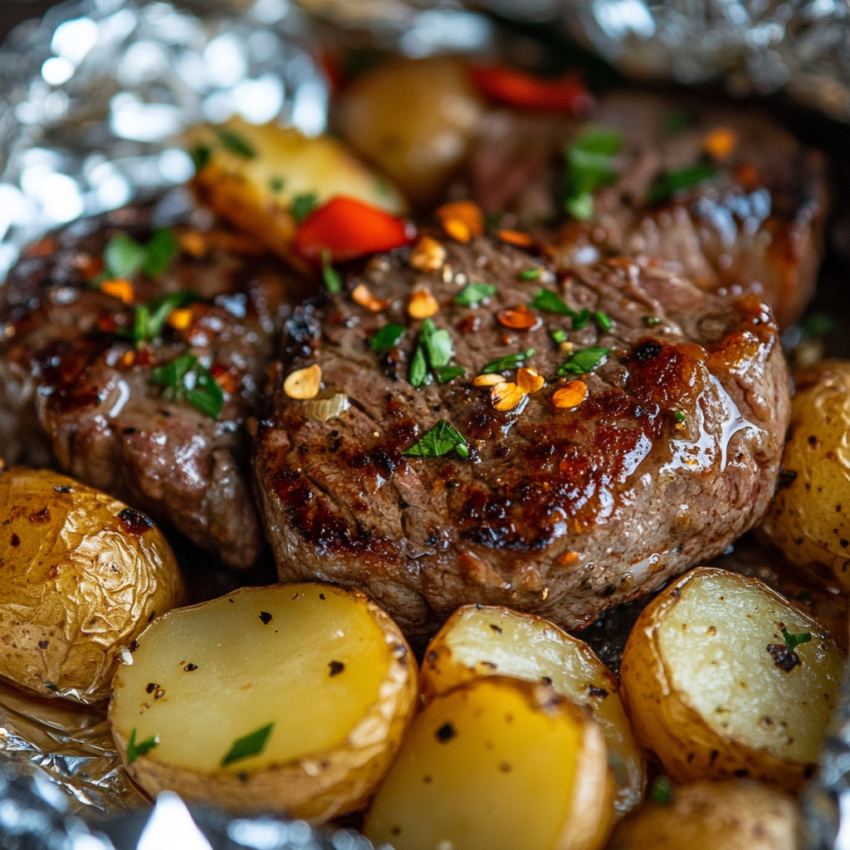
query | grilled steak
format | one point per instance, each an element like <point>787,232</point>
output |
<point>561,511</point>
<point>756,227</point>
<point>75,383</point>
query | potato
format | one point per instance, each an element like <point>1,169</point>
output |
<point>415,119</point>
<point>809,517</point>
<point>497,764</point>
<point>478,641</point>
<point>83,575</point>
<point>291,698</point>
<point>713,690</point>
<point>714,816</point>
<point>250,175</point>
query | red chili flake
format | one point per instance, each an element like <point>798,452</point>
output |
<point>518,318</point>
<point>41,517</point>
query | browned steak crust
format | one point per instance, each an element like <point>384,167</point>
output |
<point>563,512</point>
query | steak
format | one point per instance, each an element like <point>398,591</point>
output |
<point>564,512</point>
<point>756,227</point>
<point>77,390</point>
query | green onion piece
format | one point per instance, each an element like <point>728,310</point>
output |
<point>548,302</point>
<point>142,748</point>
<point>386,338</point>
<point>530,274</point>
<point>235,143</point>
<point>672,182</point>
<point>603,321</point>
<point>793,641</point>
<point>510,361</point>
<point>251,745</point>
<point>303,205</point>
<point>331,277</point>
<point>447,373</point>
<point>473,293</point>
<point>583,361</point>
<point>589,166</point>
<point>187,379</point>
<point>439,441</point>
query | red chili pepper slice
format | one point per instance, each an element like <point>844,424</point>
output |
<point>516,88</point>
<point>348,228</point>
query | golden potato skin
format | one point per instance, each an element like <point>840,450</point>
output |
<point>714,816</point>
<point>83,575</point>
<point>809,517</point>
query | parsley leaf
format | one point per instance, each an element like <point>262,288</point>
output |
<point>510,361</point>
<point>548,302</point>
<point>793,641</point>
<point>187,379</point>
<point>125,258</point>
<point>583,361</point>
<point>330,275</point>
<point>581,319</point>
<point>439,441</point>
<point>303,205</point>
<point>671,182</point>
<point>160,252</point>
<point>276,184</point>
<point>680,416</point>
<point>662,793</point>
<point>559,335</point>
<point>201,155</point>
<point>603,321</point>
<point>589,166</point>
<point>251,745</point>
<point>386,338</point>
<point>447,373</point>
<point>438,344</point>
<point>235,143</point>
<point>470,295</point>
<point>418,368</point>
<point>142,748</point>
<point>150,318</point>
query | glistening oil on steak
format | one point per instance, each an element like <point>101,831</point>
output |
<point>563,512</point>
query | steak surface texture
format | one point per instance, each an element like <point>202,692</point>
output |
<point>671,456</point>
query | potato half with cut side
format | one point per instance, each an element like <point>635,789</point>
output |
<point>291,698</point>
<point>83,575</point>
<point>739,815</point>
<point>497,764</point>
<point>264,178</point>
<point>478,641</point>
<point>722,677</point>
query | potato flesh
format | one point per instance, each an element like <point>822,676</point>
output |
<point>480,769</point>
<point>251,673</point>
<point>714,642</point>
<point>488,641</point>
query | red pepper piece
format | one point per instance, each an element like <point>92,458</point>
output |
<point>348,228</point>
<point>516,88</point>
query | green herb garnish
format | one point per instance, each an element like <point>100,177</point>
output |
<point>548,302</point>
<point>793,641</point>
<point>672,182</point>
<point>651,321</point>
<point>134,750</point>
<point>447,373</point>
<point>250,745</point>
<point>386,338</point>
<point>235,143</point>
<point>418,368</point>
<point>276,184</point>
<point>680,417</point>
<point>583,361</point>
<point>558,335</point>
<point>581,319</point>
<point>330,275</point>
<point>510,361</point>
<point>473,293</point>
<point>603,321</point>
<point>125,258</point>
<point>589,166</point>
<point>303,205</point>
<point>201,155</point>
<point>185,378</point>
<point>434,349</point>
<point>160,252</point>
<point>439,441</point>
<point>150,318</point>
<point>530,274</point>
<point>662,793</point>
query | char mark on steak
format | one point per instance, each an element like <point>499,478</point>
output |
<point>671,456</point>
<point>76,381</point>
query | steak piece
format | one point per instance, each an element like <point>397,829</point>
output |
<point>756,228</point>
<point>74,386</point>
<point>564,512</point>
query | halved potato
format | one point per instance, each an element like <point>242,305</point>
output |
<point>291,698</point>
<point>252,175</point>
<point>722,677</point>
<point>83,575</point>
<point>478,641</point>
<point>714,816</point>
<point>497,764</point>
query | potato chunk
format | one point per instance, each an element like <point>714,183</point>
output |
<point>497,764</point>
<point>478,641</point>
<point>83,575</point>
<point>722,677</point>
<point>291,698</point>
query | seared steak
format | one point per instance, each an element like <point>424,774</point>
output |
<point>755,228</point>
<point>75,382</point>
<point>561,511</point>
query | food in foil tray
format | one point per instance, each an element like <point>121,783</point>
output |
<point>426,469</point>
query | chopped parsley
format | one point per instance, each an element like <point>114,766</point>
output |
<point>662,793</point>
<point>680,417</point>
<point>386,338</point>
<point>581,319</point>
<point>583,361</point>
<point>433,349</point>
<point>589,166</point>
<point>185,378</point>
<point>651,321</point>
<point>671,182</point>
<point>548,302</point>
<point>530,274</point>
<point>150,318</point>
<point>418,368</point>
<point>201,155</point>
<point>559,335</point>
<point>793,641</point>
<point>235,143</point>
<point>509,361</point>
<point>142,748</point>
<point>276,184</point>
<point>439,441</point>
<point>603,321</point>
<point>125,258</point>
<point>251,745</point>
<point>472,294</point>
<point>303,205</point>
<point>330,275</point>
<point>448,373</point>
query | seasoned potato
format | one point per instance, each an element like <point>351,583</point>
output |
<point>478,641</point>
<point>291,698</point>
<point>415,119</point>
<point>714,816</point>
<point>722,677</point>
<point>251,175</point>
<point>809,517</point>
<point>83,575</point>
<point>497,764</point>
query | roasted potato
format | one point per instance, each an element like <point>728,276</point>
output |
<point>713,816</point>
<point>291,698</point>
<point>478,641</point>
<point>497,764</point>
<point>263,178</point>
<point>722,677</point>
<point>421,145</point>
<point>809,517</point>
<point>83,575</point>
